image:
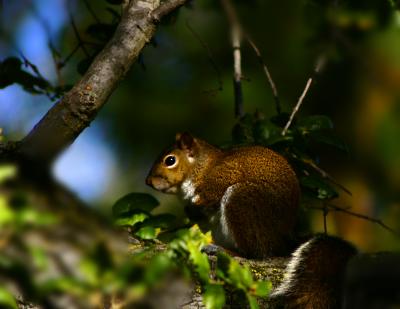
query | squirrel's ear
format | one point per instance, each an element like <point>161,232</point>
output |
<point>184,140</point>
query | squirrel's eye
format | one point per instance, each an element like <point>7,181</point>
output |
<point>170,160</point>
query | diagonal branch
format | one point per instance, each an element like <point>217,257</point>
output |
<point>328,207</point>
<point>236,26</point>
<point>76,110</point>
<point>318,67</point>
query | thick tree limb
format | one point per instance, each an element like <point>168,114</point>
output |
<point>75,111</point>
<point>166,8</point>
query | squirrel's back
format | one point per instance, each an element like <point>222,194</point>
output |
<point>260,197</point>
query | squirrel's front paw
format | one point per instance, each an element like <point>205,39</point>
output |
<point>212,249</point>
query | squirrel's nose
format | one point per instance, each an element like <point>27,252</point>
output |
<point>148,181</point>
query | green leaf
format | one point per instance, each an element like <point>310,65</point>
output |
<point>63,284</point>
<point>262,288</point>
<point>252,302</point>
<point>147,232</point>
<point>131,219</point>
<point>159,265</point>
<point>330,139</point>
<point>281,119</point>
<point>7,171</point>
<point>7,215</point>
<point>233,273</point>
<point>7,299</point>
<point>199,260</point>
<point>134,202</point>
<point>319,187</point>
<point>314,123</point>
<point>223,262</point>
<point>163,221</point>
<point>214,296</point>
<point>31,216</point>
<point>240,276</point>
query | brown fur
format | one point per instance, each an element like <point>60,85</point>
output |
<point>316,282</point>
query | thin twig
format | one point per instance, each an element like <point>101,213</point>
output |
<point>358,215</point>
<point>62,63</point>
<point>318,67</point>
<point>237,71</point>
<point>325,213</point>
<point>266,71</point>
<point>236,37</point>
<point>210,56</point>
<point>324,174</point>
<point>77,35</point>
<point>232,16</point>
<point>91,11</point>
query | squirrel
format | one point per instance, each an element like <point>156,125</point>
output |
<point>250,196</point>
<point>252,193</point>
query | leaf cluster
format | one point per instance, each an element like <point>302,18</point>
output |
<point>300,145</point>
<point>184,250</point>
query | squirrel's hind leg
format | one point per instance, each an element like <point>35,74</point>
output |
<point>245,214</point>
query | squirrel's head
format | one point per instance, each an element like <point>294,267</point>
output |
<point>174,165</point>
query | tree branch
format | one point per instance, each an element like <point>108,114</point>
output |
<point>74,112</point>
<point>328,207</point>
<point>318,67</point>
<point>166,8</point>
<point>236,37</point>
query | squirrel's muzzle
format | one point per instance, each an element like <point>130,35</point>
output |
<point>158,183</point>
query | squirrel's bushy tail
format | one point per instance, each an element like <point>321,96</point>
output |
<point>315,274</point>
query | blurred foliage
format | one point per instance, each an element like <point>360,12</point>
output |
<point>184,249</point>
<point>12,72</point>
<point>130,277</point>
<point>299,145</point>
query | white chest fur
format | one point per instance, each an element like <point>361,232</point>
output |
<point>189,191</point>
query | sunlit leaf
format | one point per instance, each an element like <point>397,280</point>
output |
<point>252,302</point>
<point>29,215</point>
<point>162,221</point>
<point>131,219</point>
<point>64,284</point>
<point>7,215</point>
<point>7,171</point>
<point>7,299</point>
<point>39,258</point>
<point>262,288</point>
<point>239,275</point>
<point>214,296</point>
<point>232,272</point>
<point>147,232</point>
